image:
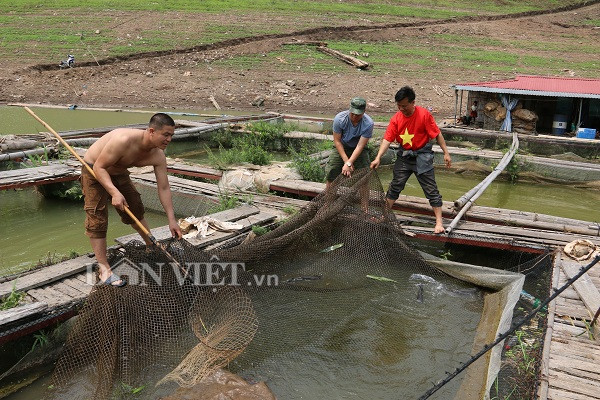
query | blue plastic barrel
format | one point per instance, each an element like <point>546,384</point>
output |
<point>559,124</point>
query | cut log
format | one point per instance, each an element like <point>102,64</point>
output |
<point>355,62</point>
<point>214,102</point>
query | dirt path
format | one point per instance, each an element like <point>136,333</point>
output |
<point>186,79</point>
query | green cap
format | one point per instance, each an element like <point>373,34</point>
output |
<point>358,105</point>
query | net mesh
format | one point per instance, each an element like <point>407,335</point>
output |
<point>335,300</point>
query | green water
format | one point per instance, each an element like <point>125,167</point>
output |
<point>550,199</point>
<point>31,227</point>
<point>16,121</point>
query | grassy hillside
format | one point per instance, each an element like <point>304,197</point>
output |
<point>45,31</point>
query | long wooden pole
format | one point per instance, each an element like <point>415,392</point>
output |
<point>137,222</point>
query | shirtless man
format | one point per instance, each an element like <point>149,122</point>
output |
<point>110,157</point>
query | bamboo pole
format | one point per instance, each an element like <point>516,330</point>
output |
<point>461,201</point>
<point>21,154</point>
<point>137,222</point>
<point>476,192</point>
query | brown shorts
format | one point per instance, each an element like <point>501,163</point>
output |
<point>96,200</point>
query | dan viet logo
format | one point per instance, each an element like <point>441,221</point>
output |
<point>212,273</point>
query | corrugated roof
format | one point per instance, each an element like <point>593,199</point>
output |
<point>539,86</point>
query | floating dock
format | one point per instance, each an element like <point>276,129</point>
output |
<point>571,356</point>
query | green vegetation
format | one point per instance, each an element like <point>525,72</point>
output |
<point>525,352</point>
<point>446,255</point>
<point>309,168</point>
<point>41,339</point>
<point>62,190</point>
<point>54,258</point>
<point>290,210</point>
<point>493,56</point>
<point>13,299</point>
<point>254,146</point>
<point>427,9</point>
<point>44,32</point>
<point>226,201</point>
<point>521,360</point>
<point>259,230</point>
<point>36,160</point>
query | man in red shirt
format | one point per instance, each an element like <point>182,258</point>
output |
<point>413,127</point>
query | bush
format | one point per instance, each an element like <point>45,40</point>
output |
<point>309,168</point>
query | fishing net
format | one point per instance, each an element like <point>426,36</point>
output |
<point>336,301</point>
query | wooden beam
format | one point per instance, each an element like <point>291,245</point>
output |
<point>355,62</point>
<point>23,311</point>
<point>46,275</point>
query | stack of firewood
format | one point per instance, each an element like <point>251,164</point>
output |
<point>523,120</point>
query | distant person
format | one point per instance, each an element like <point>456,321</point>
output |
<point>352,130</point>
<point>110,157</point>
<point>413,127</point>
<point>473,113</point>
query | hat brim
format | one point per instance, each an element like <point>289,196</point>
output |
<point>357,111</point>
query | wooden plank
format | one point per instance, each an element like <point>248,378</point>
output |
<point>78,285</point>
<point>583,369</point>
<point>585,288</point>
<point>559,394</point>
<point>547,344</point>
<point>575,384</point>
<point>578,336</point>
<point>68,290</point>
<point>20,312</point>
<point>568,329</point>
<point>46,275</point>
<point>307,135</point>
<point>595,280</point>
<point>194,170</point>
<point>573,312</point>
<point>54,297</point>
<point>579,351</point>
<point>39,295</point>
<point>88,278</point>
<point>488,215</point>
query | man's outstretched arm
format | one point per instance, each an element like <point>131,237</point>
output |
<point>164,195</point>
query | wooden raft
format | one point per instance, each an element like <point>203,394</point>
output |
<point>483,226</point>
<point>571,358</point>
<point>53,293</point>
<point>52,173</point>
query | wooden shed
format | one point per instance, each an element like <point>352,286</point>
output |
<point>557,105</point>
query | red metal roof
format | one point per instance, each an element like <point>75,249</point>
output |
<point>540,85</point>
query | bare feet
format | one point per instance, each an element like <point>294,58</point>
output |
<point>439,228</point>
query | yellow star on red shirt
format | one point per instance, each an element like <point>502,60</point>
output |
<point>406,137</point>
